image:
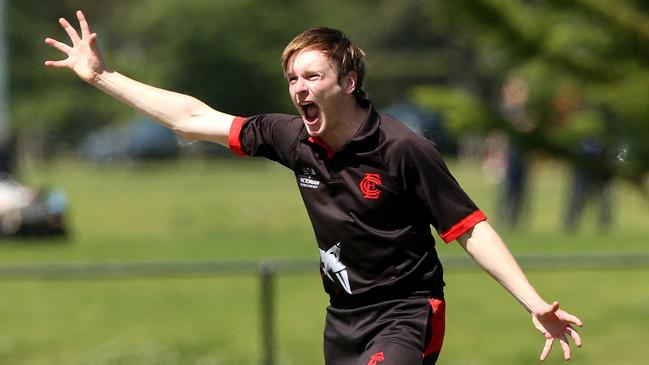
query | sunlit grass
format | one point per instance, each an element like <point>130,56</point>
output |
<point>248,209</point>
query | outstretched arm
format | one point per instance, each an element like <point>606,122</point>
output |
<point>183,114</point>
<point>486,247</point>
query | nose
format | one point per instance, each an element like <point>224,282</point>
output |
<point>300,87</point>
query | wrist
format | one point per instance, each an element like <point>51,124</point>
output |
<point>536,306</point>
<point>96,78</point>
<point>102,79</point>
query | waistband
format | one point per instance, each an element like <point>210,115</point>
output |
<point>372,297</point>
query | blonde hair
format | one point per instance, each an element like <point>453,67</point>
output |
<point>344,56</point>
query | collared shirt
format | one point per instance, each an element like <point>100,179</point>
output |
<point>371,204</point>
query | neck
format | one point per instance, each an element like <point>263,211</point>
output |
<point>349,120</point>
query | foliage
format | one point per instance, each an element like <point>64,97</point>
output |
<point>585,65</point>
<point>436,53</point>
<point>41,100</point>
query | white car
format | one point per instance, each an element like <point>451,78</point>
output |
<point>25,211</point>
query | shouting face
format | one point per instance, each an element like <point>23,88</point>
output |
<point>317,91</point>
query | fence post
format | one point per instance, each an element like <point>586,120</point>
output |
<point>266,274</point>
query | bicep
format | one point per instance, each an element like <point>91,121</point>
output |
<point>451,210</point>
<point>479,240</point>
<point>206,124</point>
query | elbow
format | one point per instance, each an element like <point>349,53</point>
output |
<point>183,133</point>
<point>185,128</point>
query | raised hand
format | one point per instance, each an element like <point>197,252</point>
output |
<point>83,57</point>
<point>555,324</point>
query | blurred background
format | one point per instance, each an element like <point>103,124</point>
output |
<point>541,109</point>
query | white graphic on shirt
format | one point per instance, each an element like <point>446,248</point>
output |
<point>306,182</point>
<point>308,178</point>
<point>331,264</point>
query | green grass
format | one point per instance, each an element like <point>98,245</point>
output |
<point>242,209</point>
<point>188,210</point>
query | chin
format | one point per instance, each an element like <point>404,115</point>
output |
<point>314,132</point>
<point>311,133</point>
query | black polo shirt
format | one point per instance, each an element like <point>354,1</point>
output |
<point>371,204</point>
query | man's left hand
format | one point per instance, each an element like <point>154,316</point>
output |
<point>555,324</point>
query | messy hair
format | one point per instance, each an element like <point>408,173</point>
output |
<point>344,56</point>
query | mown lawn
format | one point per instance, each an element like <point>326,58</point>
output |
<point>245,209</point>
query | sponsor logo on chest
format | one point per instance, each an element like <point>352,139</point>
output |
<point>307,182</point>
<point>308,178</point>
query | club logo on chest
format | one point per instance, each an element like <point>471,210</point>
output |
<point>369,186</point>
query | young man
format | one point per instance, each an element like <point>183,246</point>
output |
<point>372,190</point>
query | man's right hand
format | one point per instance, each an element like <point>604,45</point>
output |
<point>184,114</point>
<point>83,57</point>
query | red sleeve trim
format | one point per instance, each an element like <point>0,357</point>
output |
<point>464,225</point>
<point>234,136</point>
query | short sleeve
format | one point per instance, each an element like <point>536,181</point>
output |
<point>450,210</point>
<point>273,136</point>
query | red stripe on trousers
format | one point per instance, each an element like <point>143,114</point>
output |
<point>437,327</point>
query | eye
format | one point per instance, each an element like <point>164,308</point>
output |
<point>292,79</point>
<point>313,77</point>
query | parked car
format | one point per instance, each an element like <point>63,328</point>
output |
<point>30,212</point>
<point>143,139</point>
<point>140,139</point>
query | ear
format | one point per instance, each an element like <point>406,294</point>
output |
<point>349,82</point>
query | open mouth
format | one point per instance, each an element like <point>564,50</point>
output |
<point>310,111</point>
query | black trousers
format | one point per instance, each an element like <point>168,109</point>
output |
<point>395,332</point>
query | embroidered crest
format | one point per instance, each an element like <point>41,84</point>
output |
<point>376,358</point>
<point>370,186</point>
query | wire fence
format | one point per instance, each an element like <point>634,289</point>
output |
<point>268,269</point>
<point>126,269</point>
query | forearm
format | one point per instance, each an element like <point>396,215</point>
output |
<point>184,114</point>
<point>486,247</point>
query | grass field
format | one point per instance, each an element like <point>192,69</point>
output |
<point>244,209</point>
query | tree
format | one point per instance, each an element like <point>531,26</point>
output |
<point>448,56</point>
<point>588,55</point>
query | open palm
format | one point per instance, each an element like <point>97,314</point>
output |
<point>556,324</point>
<point>83,57</point>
